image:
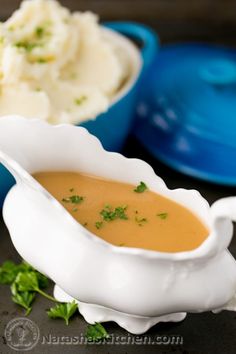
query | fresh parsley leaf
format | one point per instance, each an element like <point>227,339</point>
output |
<point>65,311</point>
<point>24,299</point>
<point>141,188</point>
<point>98,224</point>
<point>29,281</point>
<point>162,216</point>
<point>42,280</point>
<point>109,214</point>
<point>96,332</point>
<point>25,282</point>
<point>74,199</point>
<point>9,271</point>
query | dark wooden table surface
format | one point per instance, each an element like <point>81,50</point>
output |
<point>175,21</point>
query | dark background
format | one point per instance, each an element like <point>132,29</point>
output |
<point>175,20</point>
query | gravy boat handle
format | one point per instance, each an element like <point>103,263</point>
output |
<point>222,211</point>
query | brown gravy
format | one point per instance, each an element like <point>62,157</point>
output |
<point>124,217</point>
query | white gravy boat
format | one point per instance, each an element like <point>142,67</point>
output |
<point>134,287</point>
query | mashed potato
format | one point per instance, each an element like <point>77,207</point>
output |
<point>56,65</point>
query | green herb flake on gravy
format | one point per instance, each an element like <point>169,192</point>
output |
<point>99,224</point>
<point>141,188</point>
<point>162,216</point>
<point>109,213</point>
<point>140,221</point>
<point>74,199</point>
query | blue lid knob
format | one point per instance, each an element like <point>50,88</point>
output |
<point>219,72</point>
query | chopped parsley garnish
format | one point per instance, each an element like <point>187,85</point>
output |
<point>109,213</point>
<point>80,100</point>
<point>42,60</point>
<point>99,224</point>
<point>162,216</point>
<point>39,31</point>
<point>75,209</point>
<point>28,46</point>
<point>141,188</point>
<point>74,199</point>
<point>11,28</point>
<point>96,332</point>
<point>140,221</point>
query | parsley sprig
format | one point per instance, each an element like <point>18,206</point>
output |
<point>26,282</point>
<point>23,298</point>
<point>29,281</point>
<point>64,310</point>
<point>96,332</point>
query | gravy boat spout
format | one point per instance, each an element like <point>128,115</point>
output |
<point>136,288</point>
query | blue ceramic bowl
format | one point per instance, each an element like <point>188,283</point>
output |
<point>113,126</point>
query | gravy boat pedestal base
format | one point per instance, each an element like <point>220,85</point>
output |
<point>134,324</point>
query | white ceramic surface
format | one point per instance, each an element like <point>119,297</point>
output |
<point>134,287</point>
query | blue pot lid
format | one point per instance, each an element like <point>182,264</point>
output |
<point>187,110</point>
